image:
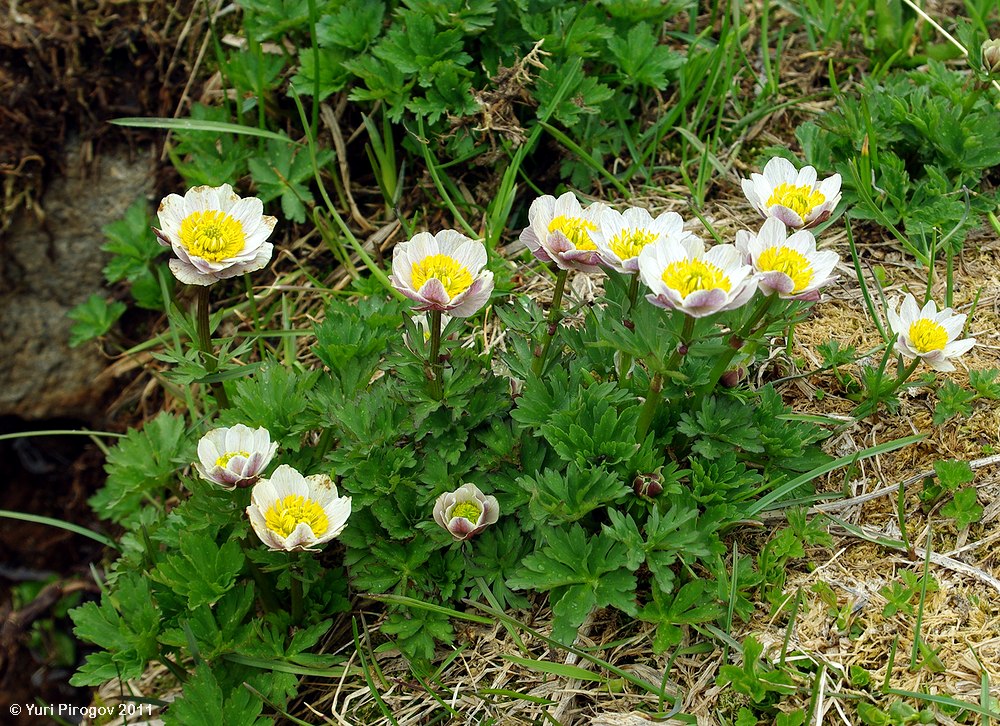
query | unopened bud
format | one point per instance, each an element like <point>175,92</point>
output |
<point>648,485</point>
<point>991,55</point>
<point>732,377</point>
<point>628,324</point>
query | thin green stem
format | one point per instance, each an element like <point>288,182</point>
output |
<point>296,574</point>
<point>208,359</point>
<point>555,314</point>
<point>653,398</point>
<point>255,314</point>
<point>736,343</point>
<point>625,363</point>
<point>434,359</point>
<point>655,393</point>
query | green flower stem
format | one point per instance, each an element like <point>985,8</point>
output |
<point>653,398</point>
<point>437,368</point>
<point>655,394</point>
<point>736,343</point>
<point>265,592</point>
<point>625,364</point>
<point>296,573</point>
<point>208,358</point>
<point>555,314</point>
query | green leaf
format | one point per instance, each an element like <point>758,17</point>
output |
<point>141,466</point>
<point>952,400</point>
<point>282,172</point>
<point>353,25</point>
<point>642,59</point>
<point>964,507</point>
<point>203,572</point>
<point>582,573</point>
<point>584,94</point>
<point>953,474</point>
<point>93,319</point>
<point>204,703</point>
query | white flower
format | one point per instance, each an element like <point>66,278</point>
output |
<point>682,276</point>
<point>294,512</point>
<point>928,334</point>
<point>214,233</point>
<point>789,265</point>
<point>621,236</point>
<point>792,196</point>
<point>443,271</point>
<point>559,230</point>
<point>465,511</point>
<point>234,457</point>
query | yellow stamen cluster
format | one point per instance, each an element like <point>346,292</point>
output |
<point>926,335</point>
<point>791,262</point>
<point>467,510</point>
<point>286,514</point>
<point>686,276</point>
<point>629,242</point>
<point>453,276</point>
<point>801,200</point>
<point>223,461</point>
<point>576,230</point>
<point>212,235</point>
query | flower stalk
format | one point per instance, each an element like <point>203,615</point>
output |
<point>436,366</point>
<point>625,365</point>
<point>555,315</point>
<point>208,357</point>
<point>655,394</point>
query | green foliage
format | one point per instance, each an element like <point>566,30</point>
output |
<point>929,136</point>
<point>282,172</point>
<point>581,573</point>
<point>134,249</point>
<point>93,319</point>
<point>754,678</point>
<point>899,594</point>
<point>141,467</point>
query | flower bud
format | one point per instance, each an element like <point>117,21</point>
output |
<point>732,377</point>
<point>991,55</point>
<point>465,511</point>
<point>648,485</point>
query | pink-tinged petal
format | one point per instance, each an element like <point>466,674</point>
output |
<point>787,216</point>
<point>435,294</point>
<point>830,189</point>
<point>774,281</point>
<point>702,303</point>
<point>937,361</point>
<point>461,528</point>
<point>478,294</point>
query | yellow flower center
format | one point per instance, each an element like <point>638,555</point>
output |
<point>801,200</point>
<point>576,229</point>
<point>212,235</point>
<point>224,460</point>
<point>629,242</point>
<point>286,514</point>
<point>926,335</point>
<point>454,277</point>
<point>792,262</point>
<point>686,276</point>
<point>467,510</point>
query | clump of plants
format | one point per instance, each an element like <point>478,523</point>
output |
<point>460,445</point>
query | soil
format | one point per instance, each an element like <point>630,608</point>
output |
<point>66,69</point>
